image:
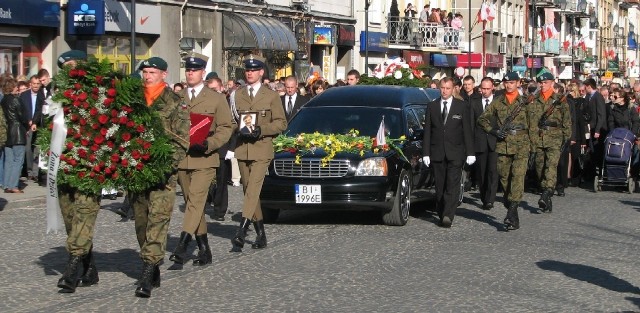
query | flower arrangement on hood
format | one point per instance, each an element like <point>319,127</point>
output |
<point>113,139</point>
<point>330,144</point>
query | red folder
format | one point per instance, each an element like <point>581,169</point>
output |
<point>200,125</point>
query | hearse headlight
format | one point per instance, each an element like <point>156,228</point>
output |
<point>372,167</point>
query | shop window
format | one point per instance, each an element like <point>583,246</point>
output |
<point>116,49</point>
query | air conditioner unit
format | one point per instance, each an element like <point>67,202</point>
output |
<point>502,48</point>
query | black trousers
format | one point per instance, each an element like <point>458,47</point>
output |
<point>563,169</point>
<point>487,175</point>
<point>447,175</point>
<point>221,198</point>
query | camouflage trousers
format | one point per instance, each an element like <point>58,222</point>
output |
<point>152,209</point>
<point>79,212</point>
<point>547,166</point>
<point>511,170</point>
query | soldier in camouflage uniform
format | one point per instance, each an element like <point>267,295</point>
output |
<point>153,207</point>
<point>79,212</point>
<point>513,144</point>
<point>552,128</point>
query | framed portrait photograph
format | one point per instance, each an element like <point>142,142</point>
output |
<point>248,122</point>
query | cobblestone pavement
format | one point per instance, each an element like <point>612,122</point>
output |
<point>583,257</point>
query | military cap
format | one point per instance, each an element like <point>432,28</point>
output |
<point>71,55</point>
<point>253,62</point>
<point>154,62</point>
<point>509,76</point>
<point>211,75</point>
<point>196,61</point>
<point>545,76</point>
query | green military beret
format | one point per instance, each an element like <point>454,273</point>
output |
<point>545,76</point>
<point>510,76</point>
<point>154,62</point>
<point>71,55</point>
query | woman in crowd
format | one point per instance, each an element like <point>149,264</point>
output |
<point>318,87</point>
<point>17,124</point>
<point>621,115</point>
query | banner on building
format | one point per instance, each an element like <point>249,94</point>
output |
<point>85,17</point>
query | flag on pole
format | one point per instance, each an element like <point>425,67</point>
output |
<point>380,138</point>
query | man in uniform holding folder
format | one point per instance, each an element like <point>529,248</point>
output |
<point>198,168</point>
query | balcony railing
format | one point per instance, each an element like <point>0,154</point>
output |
<point>578,53</point>
<point>549,46</point>
<point>411,32</point>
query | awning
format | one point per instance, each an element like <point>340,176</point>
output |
<point>256,32</point>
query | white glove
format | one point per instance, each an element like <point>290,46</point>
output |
<point>230,155</point>
<point>426,160</point>
<point>471,159</point>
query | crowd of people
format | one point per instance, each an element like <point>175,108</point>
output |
<point>551,133</point>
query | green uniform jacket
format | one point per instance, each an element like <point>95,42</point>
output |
<point>271,119</point>
<point>176,122</point>
<point>214,104</point>
<point>495,114</point>
<point>560,116</point>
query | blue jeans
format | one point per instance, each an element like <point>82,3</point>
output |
<point>13,161</point>
<point>2,168</point>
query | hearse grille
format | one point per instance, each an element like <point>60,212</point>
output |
<point>311,168</point>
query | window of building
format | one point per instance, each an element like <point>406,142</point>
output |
<point>117,49</point>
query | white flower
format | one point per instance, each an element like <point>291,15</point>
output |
<point>379,75</point>
<point>397,74</point>
<point>112,130</point>
<point>410,76</point>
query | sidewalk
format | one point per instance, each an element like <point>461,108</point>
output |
<point>33,196</point>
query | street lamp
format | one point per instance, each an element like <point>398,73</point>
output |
<point>609,23</point>
<point>367,4</point>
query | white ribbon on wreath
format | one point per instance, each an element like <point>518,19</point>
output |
<point>58,136</point>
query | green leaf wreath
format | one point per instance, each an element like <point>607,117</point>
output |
<point>113,139</point>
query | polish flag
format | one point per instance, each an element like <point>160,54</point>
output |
<point>491,12</point>
<point>483,14</point>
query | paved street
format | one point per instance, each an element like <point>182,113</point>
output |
<point>583,257</point>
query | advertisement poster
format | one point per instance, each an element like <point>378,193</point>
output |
<point>323,35</point>
<point>5,62</point>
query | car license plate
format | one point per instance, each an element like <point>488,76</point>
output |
<point>308,194</point>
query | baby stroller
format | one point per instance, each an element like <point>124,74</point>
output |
<point>616,164</point>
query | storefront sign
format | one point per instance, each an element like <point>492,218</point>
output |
<point>323,35</point>
<point>494,60</point>
<point>534,62</point>
<point>378,42</point>
<point>30,13</point>
<point>473,60</point>
<point>346,35</point>
<point>85,17</point>
<point>302,37</point>
<point>118,17</point>
<point>444,60</point>
<point>414,58</point>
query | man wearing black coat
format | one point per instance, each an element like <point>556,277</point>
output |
<point>447,142</point>
<point>485,147</point>
<point>597,110</point>
<point>292,101</point>
<point>33,99</point>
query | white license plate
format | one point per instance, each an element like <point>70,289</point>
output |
<point>308,194</point>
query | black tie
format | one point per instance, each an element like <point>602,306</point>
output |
<point>486,103</point>
<point>251,93</point>
<point>193,93</point>
<point>290,105</point>
<point>444,112</point>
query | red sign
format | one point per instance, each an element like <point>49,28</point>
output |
<point>476,60</point>
<point>414,58</point>
<point>346,35</point>
<point>494,60</point>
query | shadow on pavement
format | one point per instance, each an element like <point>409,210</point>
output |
<point>635,301</point>
<point>54,262</point>
<point>3,203</point>
<point>635,204</point>
<point>480,217</point>
<point>589,274</point>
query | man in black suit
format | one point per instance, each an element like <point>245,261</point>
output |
<point>33,99</point>
<point>45,80</point>
<point>485,148</point>
<point>292,101</point>
<point>597,110</point>
<point>447,142</point>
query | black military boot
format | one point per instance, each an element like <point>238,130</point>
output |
<point>261,237</point>
<point>90,272</point>
<point>545,200</point>
<point>146,282</point>
<point>241,234</point>
<point>204,252</point>
<point>156,276</point>
<point>69,279</point>
<point>512,221</point>
<point>180,253</point>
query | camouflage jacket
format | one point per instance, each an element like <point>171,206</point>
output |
<point>176,121</point>
<point>557,125</point>
<point>494,115</point>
